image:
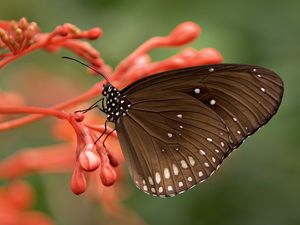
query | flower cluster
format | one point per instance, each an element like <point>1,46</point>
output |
<point>20,38</point>
<point>15,202</point>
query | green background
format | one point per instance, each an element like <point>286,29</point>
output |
<point>258,184</point>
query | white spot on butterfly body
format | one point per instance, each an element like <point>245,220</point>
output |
<point>170,135</point>
<point>175,169</point>
<point>197,90</point>
<point>190,179</point>
<point>180,184</point>
<point>262,89</point>
<point>211,69</point>
<point>183,164</point>
<point>179,115</point>
<point>167,173</point>
<point>209,139</point>
<point>170,188</point>
<point>212,102</point>
<point>157,177</point>
<point>192,161</point>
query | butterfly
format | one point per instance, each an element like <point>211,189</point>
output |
<point>176,127</point>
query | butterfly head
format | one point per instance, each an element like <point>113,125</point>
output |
<point>106,89</point>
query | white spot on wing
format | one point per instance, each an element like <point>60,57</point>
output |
<point>192,161</point>
<point>157,177</point>
<point>160,189</point>
<point>211,69</point>
<point>183,164</point>
<point>200,174</point>
<point>150,180</point>
<point>179,115</point>
<point>202,152</point>
<point>180,184</point>
<point>170,188</point>
<point>209,139</point>
<point>197,90</point>
<point>175,169</point>
<point>167,173</point>
<point>212,102</point>
<point>170,135</point>
<point>262,89</point>
<point>190,179</point>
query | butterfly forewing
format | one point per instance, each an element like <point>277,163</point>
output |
<point>183,123</point>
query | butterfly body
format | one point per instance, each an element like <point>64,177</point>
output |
<point>176,127</point>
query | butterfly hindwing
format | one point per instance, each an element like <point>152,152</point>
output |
<point>172,145</point>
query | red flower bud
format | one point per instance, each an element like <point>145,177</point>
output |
<point>185,33</point>
<point>79,116</point>
<point>108,175</point>
<point>94,33</point>
<point>112,160</point>
<point>78,182</point>
<point>21,195</point>
<point>88,160</point>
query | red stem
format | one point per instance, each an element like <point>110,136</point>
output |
<point>91,93</point>
<point>33,110</point>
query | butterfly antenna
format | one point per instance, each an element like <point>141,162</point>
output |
<point>88,66</point>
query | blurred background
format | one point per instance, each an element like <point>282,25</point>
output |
<point>258,184</point>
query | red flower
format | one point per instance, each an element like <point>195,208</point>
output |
<point>89,157</point>
<point>15,203</point>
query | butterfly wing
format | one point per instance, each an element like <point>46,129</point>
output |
<point>218,106</point>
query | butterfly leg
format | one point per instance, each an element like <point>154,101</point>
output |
<point>105,129</point>
<point>92,107</point>
<point>107,137</point>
